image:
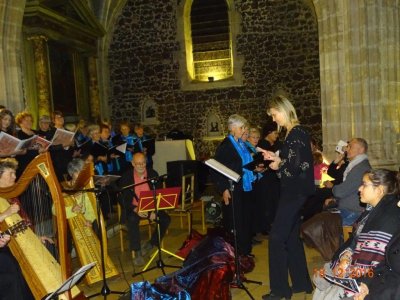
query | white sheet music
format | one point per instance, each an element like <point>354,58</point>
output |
<point>217,166</point>
<point>70,282</point>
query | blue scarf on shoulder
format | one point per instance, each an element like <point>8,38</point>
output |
<point>246,157</point>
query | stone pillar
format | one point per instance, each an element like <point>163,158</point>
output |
<point>39,45</point>
<point>93,89</point>
<point>11,75</point>
<point>359,59</point>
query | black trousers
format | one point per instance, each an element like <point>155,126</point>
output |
<point>242,202</point>
<point>132,223</point>
<point>266,196</point>
<point>286,251</point>
<point>12,283</point>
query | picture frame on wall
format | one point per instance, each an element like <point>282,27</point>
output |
<point>149,112</point>
<point>215,130</point>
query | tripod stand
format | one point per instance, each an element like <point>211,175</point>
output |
<point>105,290</point>
<point>155,202</point>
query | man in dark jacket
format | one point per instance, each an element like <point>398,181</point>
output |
<point>129,199</point>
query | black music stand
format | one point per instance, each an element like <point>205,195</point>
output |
<point>155,200</point>
<point>233,177</point>
<point>70,282</point>
<point>105,290</point>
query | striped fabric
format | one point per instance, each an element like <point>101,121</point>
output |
<point>370,249</point>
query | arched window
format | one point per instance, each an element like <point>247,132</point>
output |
<point>211,40</point>
<point>207,32</point>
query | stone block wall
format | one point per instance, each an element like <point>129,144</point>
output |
<point>279,44</point>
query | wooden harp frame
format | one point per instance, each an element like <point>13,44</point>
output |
<point>42,165</point>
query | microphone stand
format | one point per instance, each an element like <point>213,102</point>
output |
<point>105,290</point>
<point>237,281</point>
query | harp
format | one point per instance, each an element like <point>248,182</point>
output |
<point>43,273</point>
<point>86,241</point>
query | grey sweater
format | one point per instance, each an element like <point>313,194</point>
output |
<point>346,193</point>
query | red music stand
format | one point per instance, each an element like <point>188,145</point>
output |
<point>154,200</point>
<point>167,198</point>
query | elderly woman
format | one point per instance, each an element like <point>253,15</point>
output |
<point>233,153</point>
<point>12,283</point>
<point>373,230</point>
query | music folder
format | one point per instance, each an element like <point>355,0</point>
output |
<point>258,160</point>
<point>217,166</point>
<point>70,282</point>
<point>166,198</point>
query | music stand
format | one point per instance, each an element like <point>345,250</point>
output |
<point>232,177</point>
<point>155,200</point>
<point>70,282</point>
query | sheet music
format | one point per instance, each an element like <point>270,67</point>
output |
<point>347,283</point>
<point>62,137</point>
<point>217,166</point>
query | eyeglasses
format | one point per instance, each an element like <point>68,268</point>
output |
<point>140,164</point>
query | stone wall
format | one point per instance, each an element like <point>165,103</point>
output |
<point>279,44</point>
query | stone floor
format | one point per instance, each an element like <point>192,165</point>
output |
<point>172,242</point>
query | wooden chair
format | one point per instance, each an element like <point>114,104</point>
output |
<point>347,231</point>
<point>199,206</point>
<point>185,206</point>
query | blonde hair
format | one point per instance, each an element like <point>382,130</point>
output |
<point>282,104</point>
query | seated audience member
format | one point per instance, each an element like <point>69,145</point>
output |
<point>345,194</point>
<point>336,169</point>
<point>12,283</point>
<point>385,281</point>
<point>319,167</point>
<point>365,249</point>
<point>129,198</point>
<point>315,203</point>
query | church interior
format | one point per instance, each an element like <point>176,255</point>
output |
<point>180,68</point>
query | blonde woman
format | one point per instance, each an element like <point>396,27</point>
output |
<point>294,165</point>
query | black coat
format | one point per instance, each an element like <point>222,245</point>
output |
<point>385,284</point>
<point>227,155</point>
<point>385,217</point>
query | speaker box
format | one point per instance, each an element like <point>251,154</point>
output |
<point>176,169</point>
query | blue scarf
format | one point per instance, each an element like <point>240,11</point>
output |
<point>245,155</point>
